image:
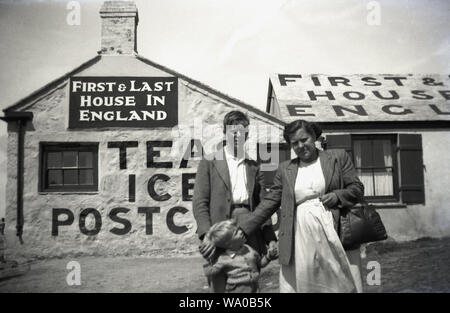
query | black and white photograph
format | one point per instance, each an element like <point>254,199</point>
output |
<point>197,147</point>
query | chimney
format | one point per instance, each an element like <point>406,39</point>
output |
<point>119,25</point>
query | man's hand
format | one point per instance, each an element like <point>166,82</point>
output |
<point>272,252</point>
<point>330,200</point>
<point>207,249</point>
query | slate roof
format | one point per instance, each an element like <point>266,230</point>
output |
<point>290,94</point>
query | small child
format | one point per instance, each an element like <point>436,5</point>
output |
<point>240,262</point>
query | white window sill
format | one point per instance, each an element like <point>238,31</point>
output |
<point>68,192</point>
<point>387,205</point>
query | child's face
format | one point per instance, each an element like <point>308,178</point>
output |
<point>237,239</point>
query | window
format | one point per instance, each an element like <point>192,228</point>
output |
<point>69,167</point>
<point>389,165</point>
<point>375,163</point>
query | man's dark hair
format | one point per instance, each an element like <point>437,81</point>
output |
<point>311,128</point>
<point>235,118</point>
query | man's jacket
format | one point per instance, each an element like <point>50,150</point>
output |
<point>212,201</point>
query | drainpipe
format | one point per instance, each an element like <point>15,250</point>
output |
<point>21,119</point>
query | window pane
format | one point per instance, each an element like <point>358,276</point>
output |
<point>387,152</point>
<point>366,178</point>
<point>70,158</point>
<point>384,184</point>
<point>378,160</point>
<point>70,177</point>
<point>86,177</point>
<point>366,152</point>
<point>54,178</point>
<point>357,153</point>
<point>54,159</point>
<point>85,159</point>
<point>382,154</point>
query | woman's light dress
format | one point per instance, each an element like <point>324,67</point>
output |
<point>319,263</point>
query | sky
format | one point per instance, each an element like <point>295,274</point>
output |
<point>230,45</point>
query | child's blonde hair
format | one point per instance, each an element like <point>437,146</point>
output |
<point>221,232</point>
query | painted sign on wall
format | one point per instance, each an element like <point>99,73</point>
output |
<point>331,98</point>
<point>157,195</point>
<point>62,217</point>
<point>123,102</point>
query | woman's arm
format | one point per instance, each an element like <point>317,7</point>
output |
<point>353,190</point>
<point>266,228</point>
<point>265,208</point>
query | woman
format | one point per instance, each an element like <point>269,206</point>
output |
<point>311,189</point>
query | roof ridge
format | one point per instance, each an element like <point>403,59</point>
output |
<point>192,81</point>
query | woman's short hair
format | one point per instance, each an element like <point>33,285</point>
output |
<point>311,128</point>
<point>221,232</point>
<point>235,118</point>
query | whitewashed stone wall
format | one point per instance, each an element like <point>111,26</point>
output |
<point>50,124</point>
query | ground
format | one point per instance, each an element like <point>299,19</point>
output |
<point>416,266</point>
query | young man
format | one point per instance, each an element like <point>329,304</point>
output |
<point>227,186</point>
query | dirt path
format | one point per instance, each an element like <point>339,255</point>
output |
<point>415,266</point>
<point>419,266</point>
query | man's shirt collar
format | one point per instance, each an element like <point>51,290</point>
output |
<point>230,156</point>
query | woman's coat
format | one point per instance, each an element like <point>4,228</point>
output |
<point>340,178</point>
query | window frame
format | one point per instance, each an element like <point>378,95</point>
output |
<point>395,171</point>
<point>45,147</point>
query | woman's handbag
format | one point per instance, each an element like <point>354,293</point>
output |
<point>360,225</point>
